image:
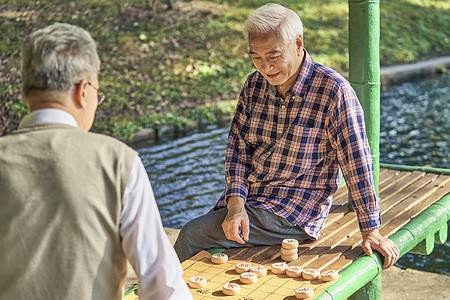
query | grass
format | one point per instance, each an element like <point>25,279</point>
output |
<point>187,65</point>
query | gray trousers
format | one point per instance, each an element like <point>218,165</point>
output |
<point>206,232</point>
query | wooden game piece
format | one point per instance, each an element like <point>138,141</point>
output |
<point>197,282</point>
<point>219,258</point>
<point>289,257</point>
<point>294,271</point>
<point>279,268</point>
<point>243,267</point>
<point>248,278</point>
<point>260,271</point>
<point>289,244</point>
<point>329,275</point>
<point>310,274</point>
<point>304,292</point>
<point>231,289</point>
<point>288,251</point>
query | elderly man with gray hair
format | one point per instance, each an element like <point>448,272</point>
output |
<point>297,129</point>
<point>75,205</point>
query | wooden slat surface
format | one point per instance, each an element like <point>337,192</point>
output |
<point>403,196</point>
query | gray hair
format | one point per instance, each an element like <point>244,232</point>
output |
<point>274,18</point>
<point>56,57</point>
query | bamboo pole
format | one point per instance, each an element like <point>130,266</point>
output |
<point>364,76</point>
<point>415,168</point>
<point>364,68</point>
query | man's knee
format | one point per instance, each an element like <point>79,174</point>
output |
<point>181,244</point>
<point>187,235</point>
<point>186,230</point>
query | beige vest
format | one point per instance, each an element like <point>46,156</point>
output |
<point>61,192</point>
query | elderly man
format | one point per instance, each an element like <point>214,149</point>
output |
<point>75,205</point>
<point>298,126</point>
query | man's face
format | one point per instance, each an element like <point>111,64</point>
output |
<point>277,62</point>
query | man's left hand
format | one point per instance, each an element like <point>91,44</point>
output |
<point>373,240</point>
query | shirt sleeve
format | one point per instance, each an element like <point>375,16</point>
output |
<point>145,242</point>
<point>238,156</point>
<point>348,136</point>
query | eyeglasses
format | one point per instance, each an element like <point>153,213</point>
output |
<point>101,95</point>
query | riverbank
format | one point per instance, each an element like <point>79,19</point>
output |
<point>396,283</point>
<point>397,74</point>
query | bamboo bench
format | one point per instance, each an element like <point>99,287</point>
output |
<point>415,207</point>
<point>404,196</point>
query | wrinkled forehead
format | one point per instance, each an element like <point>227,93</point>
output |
<point>265,44</point>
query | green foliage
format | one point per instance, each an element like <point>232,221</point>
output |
<point>19,109</point>
<point>414,30</point>
<point>180,67</point>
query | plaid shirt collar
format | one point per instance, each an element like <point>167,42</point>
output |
<point>301,84</point>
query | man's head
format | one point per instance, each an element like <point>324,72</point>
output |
<point>274,19</point>
<point>275,37</point>
<point>60,70</point>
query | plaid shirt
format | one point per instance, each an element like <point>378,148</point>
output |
<point>288,155</point>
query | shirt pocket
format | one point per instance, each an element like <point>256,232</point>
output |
<point>302,148</point>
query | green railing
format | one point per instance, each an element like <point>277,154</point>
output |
<point>415,168</point>
<point>418,236</point>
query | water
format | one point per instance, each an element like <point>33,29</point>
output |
<point>415,123</point>
<point>415,130</point>
<point>187,173</point>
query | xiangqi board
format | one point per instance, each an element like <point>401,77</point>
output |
<point>271,286</point>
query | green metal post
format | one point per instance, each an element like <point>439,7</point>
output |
<point>364,76</point>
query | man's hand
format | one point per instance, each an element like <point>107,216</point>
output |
<point>373,240</point>
<point>236,223</point>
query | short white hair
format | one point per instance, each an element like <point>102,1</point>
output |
<point>56,57</point>
<point>274,19</point>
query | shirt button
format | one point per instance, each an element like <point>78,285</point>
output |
<point>283,106</point>
<point>292,97</point>
<point>280,131</point>
<point>258,171</point>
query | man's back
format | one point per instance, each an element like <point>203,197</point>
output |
<point>61,194</point>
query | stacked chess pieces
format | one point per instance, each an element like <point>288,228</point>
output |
<point>289,248</point>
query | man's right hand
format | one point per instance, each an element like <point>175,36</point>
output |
<point>236,223</point>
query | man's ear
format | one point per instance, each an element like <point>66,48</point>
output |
<point>299,42</point>
<point>80,94</point>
